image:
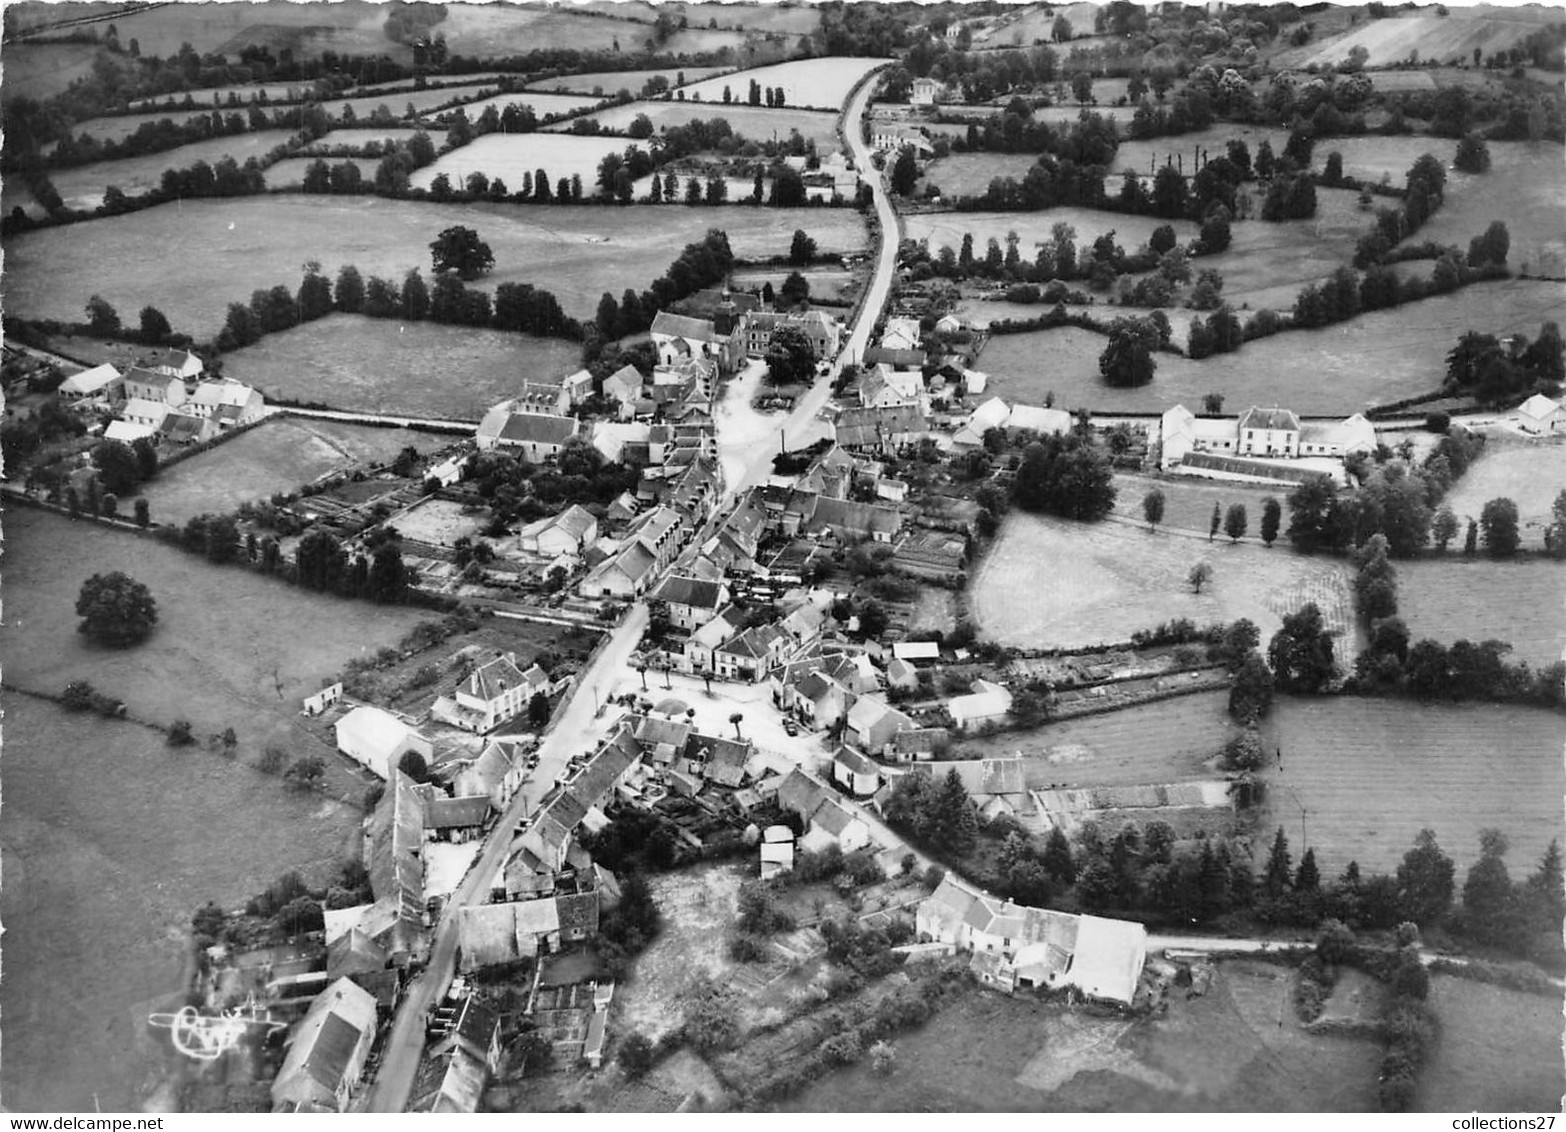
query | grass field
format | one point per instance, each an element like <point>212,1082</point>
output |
<point>1372,773</point>
<point>217,97</point>
<point>354,27</point>
<point>1500,1050</point>
<point>43,70</point>
<point>820,83</point>
<point>1449,39</point>
<point>983,310</point>
<point>380,366</point>
<point>1188,503</point>
<point>397,104</point>
<point>494,30</point>
<point>1224,1051</point>
<point>612,82</point>
<point>1378,357</point>
<point>756,123</point>
<point>118,126</point>
<point>82,187</point>
<point>1530,475</point>
<point>1168,741</point>
<point>228,248</point>
<point>358,138</point>
<point>1477,599</point>
<point>970,174</point>
<point>281,455</point>
<point>1524,187</point>
<point>948,228</point>
<point>542,104</point>
<point>1144,157</point>
<point>509,156</point>
<point>830,286</point>
<point>1107,580</point>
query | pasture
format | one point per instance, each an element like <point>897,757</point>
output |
<point>1447,38</point>
<point>381,366</point>
<point>1145,156</point>
<point>754,123</point>
<point>1378,357</point>
<point>1371,773</point>
<point>542,104</point>
<point>279,456</point>
<point>1500,1049</point>
<point>229,248</point>
<point>970,174</point>
<point>82,187</point>
<point>495,30</point>
<point>353,27</point>
<point>825,286</point>
<point>421,101</point>
<point>1524,187</point>
<point>43,70</point>
<point>1188,502</point>
<point>1530,474</point>
<point>1107,580</point>
<point>117,126</point>
<point>1455,598</point>
<point>948,228</point>
<point>509,156</point>
<point>359,138</point>
<point>229,97</point>
<point>820,83</point>
<point>599,83</point>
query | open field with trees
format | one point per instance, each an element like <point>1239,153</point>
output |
<point>1499,1049</point>
<point>1372,773</point>
<point>228,248</point>
<point>1531,475</point>
<point>612,82</point>
<point>375,366</point>
<point>42,70</point>
<point>1224,1051</point>
<point>119,126</point>
<point>490,30</point>
<point>540,103</point>
<point>111,839</point>
<point>397,104</point>
<point>279,456</point>
<point>1377,358</point>
<point>1524,187</point>
<point>820,83</point>
<point>948,228</point>
<point>509,156</point>
<point>358,138</point>
<point>1188,502</point>
<point>1107,580</point>
<point>968,175</point>
<point>1448,37</point>
<point>353,26</point>
<point>1478,599</point>
<point>82,187</point>
<point>754,123</point>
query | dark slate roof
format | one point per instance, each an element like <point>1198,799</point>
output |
<point>333,1048</point>
<point>539,428</point>
<point>1269,418</point>
<point>897,359</point>
<point>578,912</point>
<point>681,590</point>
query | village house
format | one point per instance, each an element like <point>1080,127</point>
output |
<point>855,773</point>
<point>496,774</point>
<point>327,1051</point>
<point>883,387</point>
<point>855,522</point>
<point>144,413</point>
<point>492,694</point>
<point>153,385</point>
<point>127,433</point>
<point>821,329</point>
<point>986,703</point>
<point>176,363</point>
<point>749,655</point>
<point>827,820</point>
<point>1262,434</point>
<point>700,646</point>
<point>542,397</point>
<point>817,700</point>
<point>625,386</point>
<point>578,387</point>
<point>901,334</point>
<point>692,601</point>
<point>394,858</point>
<point>377,739</point>
<point>678,338</point>
<point>872,722</point>
<point>570,532</point>
<point>229,404</point>
<point>889,136</point>
<point>925,91</point>
<point>537,436</point>
<point>460,1061</point>
<point>880,430</point>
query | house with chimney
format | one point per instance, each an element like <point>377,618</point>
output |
<point>679,338</point>
<point>823,331</point>
<point>494,693</point>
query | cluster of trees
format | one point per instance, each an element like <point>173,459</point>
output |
<point>517,489</point>
<point>940,814</point>
<point>773,96</point>
<point>321,563</point>
<point>1495,372</point>
<point>1065,475</point>
<point>1127,360</point>
<point>115,609</point>
<point>122,468</point>
<point>1424,188</point>
<point>700,264</point>
<point>1464,670</point>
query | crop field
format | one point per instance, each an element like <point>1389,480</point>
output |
<point>1107,580</point>
<point>820,83</point>
<point>509,156</point>
<point>1478,599</point>
<point>542,104</point>
<point>381,366</point>
<point>1372,773</point>
<point>279,456</point>
<point>1168,741</point>
<point>611,82</point>
<point>948,228</point>
<point>1433,37</point>
<point>1376,358</point>
<point>756,123</point>
<point>1500,1049</point>
<point>228,248</point>
<point>1188,503</point>
<point>1224,1051</point>
<point>1530,475</point>
<point>82,187</point>
<point>1524,187</point>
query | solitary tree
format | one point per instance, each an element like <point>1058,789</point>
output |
<point>458,249</point>
<point>1425,880</point>
<point>1272,515</point>
<point>1499,523</point>
<point>1199,576</point>
<point>1444,528</point>
<point>102,318</point>
<point>115,609</point>
<point>1235,522</point>
<point>802,250</point>
<point>1153,508</point>
<point>1217,521</point>
<point>155,328</point>
<point>735,719</point>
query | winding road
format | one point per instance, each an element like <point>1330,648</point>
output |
<point>579,724</point>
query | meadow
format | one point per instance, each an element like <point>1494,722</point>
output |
<point>755,123</point>
<point>1500,1050</point>
<point>948,228</point>
<point>819,83</point>
<point>379,366</point>
<point>1445,38</point>
<point>117,126</point>
<point>1188,502</point>
<point>354,27</point>
<point>218,98</point>
<point>82,186</point>
<point>599,83</point>
<point>495,30</point>
<point>970,174</point>
<point>1531,475</point>
<point>280,456</point>
<point>1371,773</point>
<point>1524,187</point>
<point>228,248</point>
<point>422,101</point>
<point>509,156</point>
<point>1378,357</point>
<point>541,104</point>
<point>1457,598</point>
<point>1107,580</point>
<point>43,70</point>
<point>357,138</point>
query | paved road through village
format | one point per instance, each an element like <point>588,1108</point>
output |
<point>577,730</point>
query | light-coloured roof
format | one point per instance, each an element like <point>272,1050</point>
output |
<point>1273,418</point>
<point>1109,957</point>
<point>90,380</point>
<point>917,650</point>
<point>1039,419</point>
<point>980,705</point>
<point>371,728</point>
<point>1538,407</point>
<point>126,432</point>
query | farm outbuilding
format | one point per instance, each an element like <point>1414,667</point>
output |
<point>377,739</point>
<point>1540,416</point>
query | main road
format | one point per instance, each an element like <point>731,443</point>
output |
<point>576,730</point>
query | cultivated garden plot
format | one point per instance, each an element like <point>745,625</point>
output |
<point>441,522</point>
<point>382,366</point>
<point>278,456</point>
<point>754,123</point>
<point>612,82</point>
<point>228,248</point>
<point>1105,581</point>
<point>820,83</point>
<point>1499,1049</point>
<point>111,839</point>
<point>1456,598</point>
<point>1371,773</point>
<point>82,186</point>
<point>509,156</point>
<point>1530,474</point>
